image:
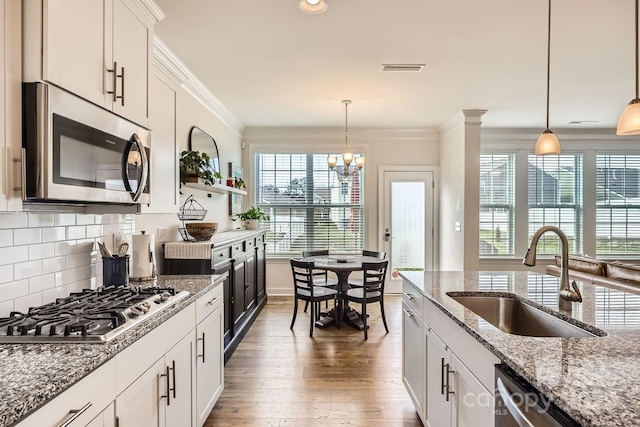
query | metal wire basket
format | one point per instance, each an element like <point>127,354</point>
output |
<point>191,210</point>
<point>185,235</point>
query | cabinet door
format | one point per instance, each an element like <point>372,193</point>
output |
<point>412,356</point>
<point>139,405</point>
<point>209,364</point>
<point>164,158</point>
<point>250,280</point>
<point>180,361</point>
<point>261,268</point>
<point>73,48</point>
<point>238,298</point>
<point>132,45</point>
<point>226,299</point>
<point>107,418</point>
<point>438,401</point>
<point>473,404</point>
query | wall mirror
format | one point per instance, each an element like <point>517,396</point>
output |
<point>201,141</point>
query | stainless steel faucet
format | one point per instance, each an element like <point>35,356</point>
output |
<point>566,294</point>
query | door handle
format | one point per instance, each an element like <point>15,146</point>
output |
<point>511,405</point>
<point>387,235</point>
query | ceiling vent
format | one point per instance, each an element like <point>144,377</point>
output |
<point>412,68</point>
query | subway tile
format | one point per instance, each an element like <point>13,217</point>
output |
<point>27,236</point>
<point>76,232</point>
<point>6,238</point>
<point>79,286</point>
<point>51,265</point>
<point>78,260</point>
<point>23,304</point>
<point>54,234</point>
<point>41,283</point>
<point>25,270</point>
<point>50,295</point>
<point>6,273</point>
<point>64,277</point>
<point>40,251</point>
<point>6,308</point>
<point>98,219</point>
<point>85,219</point>
<point>64,248</point>
<point>41,219</point>
<point>85,245</point>
<point>85,272</point>
<point>13,220</point>
<point>13,290</point>
<point>65,219</point>
<point>94,230</point>
<point>14,254</point>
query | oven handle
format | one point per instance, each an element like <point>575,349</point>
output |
<point>75,413</point>
<point>517,414</point>
<point>135,139</point>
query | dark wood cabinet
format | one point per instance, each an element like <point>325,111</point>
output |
<point>242,256</point>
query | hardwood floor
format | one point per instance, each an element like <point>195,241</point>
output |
<point>279,377</point>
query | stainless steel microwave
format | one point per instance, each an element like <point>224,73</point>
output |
<point>75,151</point>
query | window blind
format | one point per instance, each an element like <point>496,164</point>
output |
<point>310,206</point>
<point>497,210</point>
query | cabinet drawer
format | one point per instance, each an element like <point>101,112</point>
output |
<point>94,392</point>
<point>237,248</point>
<point>219,255</point>
<point>207,303</point>
<point>249,244</point>
<point>412,298</point>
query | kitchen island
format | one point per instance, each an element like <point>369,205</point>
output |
<point>33,374</point>
<point>594,379</point>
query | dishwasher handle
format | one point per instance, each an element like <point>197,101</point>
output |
<point>511,405</point>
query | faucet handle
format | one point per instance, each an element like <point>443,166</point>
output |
<point>574,285</point>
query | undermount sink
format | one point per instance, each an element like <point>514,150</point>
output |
<point>514,316</point>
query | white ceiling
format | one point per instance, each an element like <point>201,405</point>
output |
<point>273,65</point>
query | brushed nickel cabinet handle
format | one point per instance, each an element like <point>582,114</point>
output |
<point>75,413</point>
<point>114,81</point>
<point>448,384</point>
<point>23,173</point>
<point>121,97</point>
<point>173,369</point>
<point>202,355</point>
<point>442,384</point>
<point>213,300</point>
<point>409,296</point>
<point>166,379</point>
<point>511,405</point>
<point>408,313</point>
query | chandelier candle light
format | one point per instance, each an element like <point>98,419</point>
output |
<point>347,157</point>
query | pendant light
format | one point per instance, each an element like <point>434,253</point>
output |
<point>347,156</point>
<point>548,142</point>
<point>629,122</point>
<point>313,6</point>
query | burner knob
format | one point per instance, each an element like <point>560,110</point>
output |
<point>165,296</point>
<point>144,306</point>
<point>137,311</point>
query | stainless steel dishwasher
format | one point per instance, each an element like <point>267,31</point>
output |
<point>519,404</point>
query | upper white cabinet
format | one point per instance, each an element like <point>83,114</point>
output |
<point>10,109</point>
<point>104,57</point>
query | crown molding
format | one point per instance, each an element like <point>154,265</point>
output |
<point>295,134</point>
<point>180,73</point>
<point>151,9</point>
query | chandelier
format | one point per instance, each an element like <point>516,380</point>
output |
<point>347,156</point>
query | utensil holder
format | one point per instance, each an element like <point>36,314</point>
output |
<point>115,271</point>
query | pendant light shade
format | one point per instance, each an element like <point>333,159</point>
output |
<point>313,6</point>
<point>629,121</point>
<point>548,143</point>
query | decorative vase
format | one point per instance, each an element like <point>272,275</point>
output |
<point>253,224</point>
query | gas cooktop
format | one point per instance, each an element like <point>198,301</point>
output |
<point>90,316</point>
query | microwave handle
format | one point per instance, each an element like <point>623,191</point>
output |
<point>145,166</point>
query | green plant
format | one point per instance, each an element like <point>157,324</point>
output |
<point>194,163</point>
<point>252,213</point>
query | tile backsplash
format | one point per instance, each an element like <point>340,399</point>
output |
<point>46,255</point>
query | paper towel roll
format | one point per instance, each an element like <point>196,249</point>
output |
<point>142,256</point>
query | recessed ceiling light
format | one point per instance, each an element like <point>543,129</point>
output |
<point>579,122</point>
<point>412,68</point>
<point>313,6</point>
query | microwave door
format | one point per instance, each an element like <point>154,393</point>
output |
<point>135,167</point>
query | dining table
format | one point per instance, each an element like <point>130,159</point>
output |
<point>342,266</point>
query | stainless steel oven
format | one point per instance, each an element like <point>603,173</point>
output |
<point>519,404</point>
<point>75,151</point>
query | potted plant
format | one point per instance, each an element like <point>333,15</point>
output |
<point>252,217</point>
<point>195,165</point>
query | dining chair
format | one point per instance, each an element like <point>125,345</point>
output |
<point>304,289</point>
<point>320,277</point>
<point>371,291</point>
<point>356,282</point>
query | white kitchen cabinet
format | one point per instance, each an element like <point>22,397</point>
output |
<point>10,110</point>
<point>164,175</point>
<point>104,57</point>
<point>179,365</point>
<point>209,373</point>
<point>473,404</point>
<point>141,403</point>
<point>439,391</point>
<point>413,376</point>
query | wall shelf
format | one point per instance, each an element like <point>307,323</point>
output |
<point>215,188</point>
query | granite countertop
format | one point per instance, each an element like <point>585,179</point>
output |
<point>595,379</point>
<point>33,374</point>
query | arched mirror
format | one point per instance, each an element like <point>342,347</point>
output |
<point>201,141</point>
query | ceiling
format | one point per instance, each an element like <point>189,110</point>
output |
<point>271,64</point>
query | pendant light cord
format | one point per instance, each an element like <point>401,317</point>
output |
<point>549,59</point>
<point>346,125</point>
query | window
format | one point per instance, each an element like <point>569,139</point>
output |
<point>310,206</point>
<point>618,204</point>
<point>497,188</point>
<point>555,198</point>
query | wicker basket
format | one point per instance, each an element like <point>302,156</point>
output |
<point>201,231</point>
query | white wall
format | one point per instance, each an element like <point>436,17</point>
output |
<point>381,147</point>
